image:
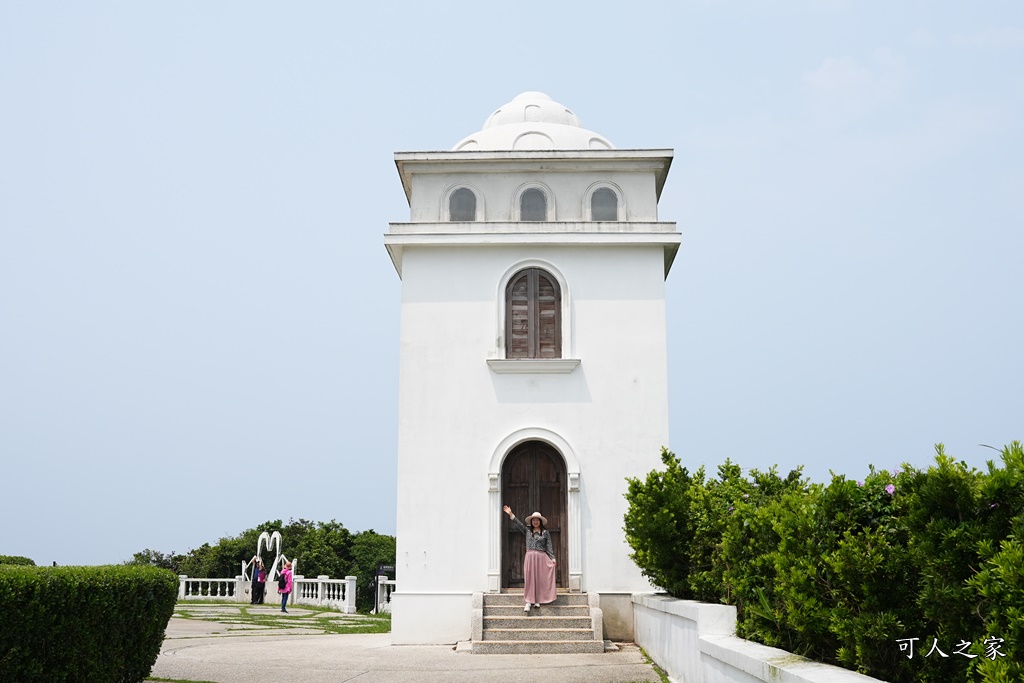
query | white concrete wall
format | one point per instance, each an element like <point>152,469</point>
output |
<point>430,617</point>
<point>454,411</point>
<point>694,642</point>
<point>567,198</point>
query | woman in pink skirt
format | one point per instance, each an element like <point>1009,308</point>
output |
<point>539,564</point>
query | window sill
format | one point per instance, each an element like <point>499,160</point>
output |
<point>523,366</point>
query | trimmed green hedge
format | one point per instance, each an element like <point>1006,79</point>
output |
<point>842,573</point>
<point>17,559</point>
<point>95,624</point>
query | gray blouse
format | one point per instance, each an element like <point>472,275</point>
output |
<point>535,541</point>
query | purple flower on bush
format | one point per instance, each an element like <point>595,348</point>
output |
<point>890,489</point>
<point>895,473</point>
<point>861,484</point>
<point>730,508</point>
<point>746,495</point>
<point>991,506</point>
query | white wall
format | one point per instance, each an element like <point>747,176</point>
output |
<point>568,191</point>
<point>695,642</point>
<point>430,617</point>
<point>454,411</point>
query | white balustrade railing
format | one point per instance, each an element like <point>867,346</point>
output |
<point>321,591</point>
<point>212,589</point>
<point>384,589</point>
<point>324,591</point>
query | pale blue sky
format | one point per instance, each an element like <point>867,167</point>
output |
<point>193,285</point>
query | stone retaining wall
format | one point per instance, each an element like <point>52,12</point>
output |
<point>695,642</point>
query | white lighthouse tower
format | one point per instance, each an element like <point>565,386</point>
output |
<point>532,361</point>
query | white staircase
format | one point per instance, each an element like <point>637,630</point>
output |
<point>570,624</point>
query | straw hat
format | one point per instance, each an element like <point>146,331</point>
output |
<point>543,520</point>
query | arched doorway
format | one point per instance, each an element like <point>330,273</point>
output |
<point>533,479</point>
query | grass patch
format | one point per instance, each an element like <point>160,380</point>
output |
<point>657,669</point>
<point>325,620</point>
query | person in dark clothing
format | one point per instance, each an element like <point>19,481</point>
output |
<point>256,595</point>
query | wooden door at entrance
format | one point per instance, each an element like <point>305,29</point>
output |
<point>533,480</point>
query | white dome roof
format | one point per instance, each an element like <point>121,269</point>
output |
<point>532,121</point>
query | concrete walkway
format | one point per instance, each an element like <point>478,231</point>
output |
<point>209,651</point>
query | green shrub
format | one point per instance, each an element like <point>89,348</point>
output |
<point>750,556</point>
<point>97,624</point>
<point>1000,582</point>
<point>16,559</point>
<point>711,504</point>
<point>676,521</point>
<point>844,583</point>
<point>659,526</point>
<point>944,519</point>
<point>842,573</point>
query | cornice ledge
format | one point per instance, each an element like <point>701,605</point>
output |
<point>530,366</point>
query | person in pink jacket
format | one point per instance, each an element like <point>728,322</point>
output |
<point>286,574</point>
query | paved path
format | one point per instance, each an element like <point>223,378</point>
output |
<point>210,651</point>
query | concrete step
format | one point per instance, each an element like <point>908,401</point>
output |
<point>538,647</point>
<point>546,634</point>
<point>540,621</point>
<point>507,599</point>
<point>561,627</point>
<point>546,610</point>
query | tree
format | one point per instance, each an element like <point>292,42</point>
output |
<point>369,549</point>
<point>155,558</point>
<point>321,548</point>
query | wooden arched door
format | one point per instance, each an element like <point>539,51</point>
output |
<point>533,480</point>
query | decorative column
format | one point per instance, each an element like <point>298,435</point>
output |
<point>240,584</point>
<point>575,534</point>
<point>321,589</point>
<point>350,594</point>
<point>494,535</point>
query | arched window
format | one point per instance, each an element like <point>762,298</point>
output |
<point>533,315</point>
<point>462,205</point>
<point>533,205</point>
<point>604,205</point>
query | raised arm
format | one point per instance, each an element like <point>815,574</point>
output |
<point>519,526</point>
